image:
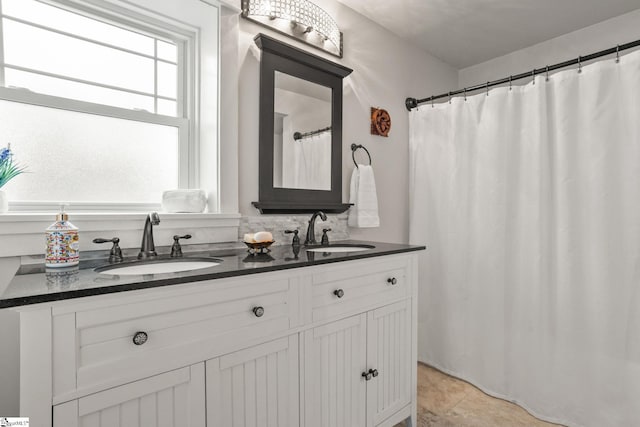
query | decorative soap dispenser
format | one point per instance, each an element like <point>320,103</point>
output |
<point>63,242</point>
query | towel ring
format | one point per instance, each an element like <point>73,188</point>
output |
<point>354,148</point>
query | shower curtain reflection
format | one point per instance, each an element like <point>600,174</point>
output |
<point>308,160</point>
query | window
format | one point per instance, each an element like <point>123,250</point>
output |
<point>95,104</point>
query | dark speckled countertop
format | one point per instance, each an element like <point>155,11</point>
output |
<point>33,284</point>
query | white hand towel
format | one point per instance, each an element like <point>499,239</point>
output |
<point>364,212</point>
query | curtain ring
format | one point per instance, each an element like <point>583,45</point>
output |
<point>432,106</point>
<point>465,93</point>
<point>579,64</point>
<point>449,98</point>
<point>488,88</point>
<point>546,73</point>
<point>533,76</point>
<point>510,80</point>
<point>617,53</point>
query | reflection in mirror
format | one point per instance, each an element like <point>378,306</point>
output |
<point>302,134</point>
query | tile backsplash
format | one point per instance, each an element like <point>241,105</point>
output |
<point>277,224</point>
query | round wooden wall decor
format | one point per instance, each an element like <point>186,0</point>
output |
<point>380,122</point>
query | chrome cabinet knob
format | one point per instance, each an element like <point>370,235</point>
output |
<point>258,311</point>
<point>392,280</point>
<point>140,338</point>
<point>339,293</point>
<point>367,375</point>
<point>373,372</point>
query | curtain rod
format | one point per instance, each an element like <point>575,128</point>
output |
<point>412,103</point>
<point>298,135</point>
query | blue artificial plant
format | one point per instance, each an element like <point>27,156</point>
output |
<point>8,168</point>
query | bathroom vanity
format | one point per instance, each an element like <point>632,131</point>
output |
<point>279,339</point>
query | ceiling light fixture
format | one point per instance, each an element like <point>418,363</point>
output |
<point>300,19</point>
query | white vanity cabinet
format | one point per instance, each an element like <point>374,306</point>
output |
<point>389,353</point>
<point>174,398</point>
<point>357,370</point>
<point>284,349</point>
<point>334,357</point>
<point>257,386</point>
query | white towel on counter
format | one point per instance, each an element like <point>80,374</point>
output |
<point>364,212</point>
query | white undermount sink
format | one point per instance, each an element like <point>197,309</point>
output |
<point>159,266</point>
<point>341,248</point>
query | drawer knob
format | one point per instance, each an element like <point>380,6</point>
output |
<point>140,338</point>
<point>258,311</point>
<point>392,280</point>
<point>373,372</point>
<point>339,293</point>
<point>367,375</point>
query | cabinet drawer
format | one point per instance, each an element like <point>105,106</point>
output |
<point>178,330</point>
<point>361,285</point>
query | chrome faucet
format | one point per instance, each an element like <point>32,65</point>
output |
<point>148,248</point>
<point>311,232</point>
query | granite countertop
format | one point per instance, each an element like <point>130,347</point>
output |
<point>33,284</point>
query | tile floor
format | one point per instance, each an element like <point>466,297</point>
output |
<point>445,401</point>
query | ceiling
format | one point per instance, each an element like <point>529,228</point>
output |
<point>468,32</point>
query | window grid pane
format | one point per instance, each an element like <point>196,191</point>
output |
<point>42,50</point>
<point>60,19</point>
<point>36,61</point>
<point>79,91</point>
<point>79,157</point>
<point>167,51</point>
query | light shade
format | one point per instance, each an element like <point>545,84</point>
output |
<point>300,19</point>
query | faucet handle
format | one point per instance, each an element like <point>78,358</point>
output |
<point>176,249</point>
<point>296,238</point>
<point>115,255</point>
<point>102,240</point>
<point>325,238</point>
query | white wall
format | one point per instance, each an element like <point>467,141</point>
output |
<point>386,71</point>
<point>619,30</point>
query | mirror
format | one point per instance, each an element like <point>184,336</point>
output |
<point>300,147</point>
<point>301,134</point>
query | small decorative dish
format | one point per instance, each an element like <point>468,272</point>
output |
<point>259,247</point>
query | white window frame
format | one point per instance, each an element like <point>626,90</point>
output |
<point>185,121</point>
<point>21,232</point>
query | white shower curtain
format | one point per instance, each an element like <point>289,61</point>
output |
<point>312,162</point>
<point>529,203</point>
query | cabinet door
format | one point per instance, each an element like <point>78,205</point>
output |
<point>388,352</point>
<point>334,359</point>
<point>172,399</point>
<point>255,387</point>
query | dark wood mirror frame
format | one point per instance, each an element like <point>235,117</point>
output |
<point>278,56</point>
